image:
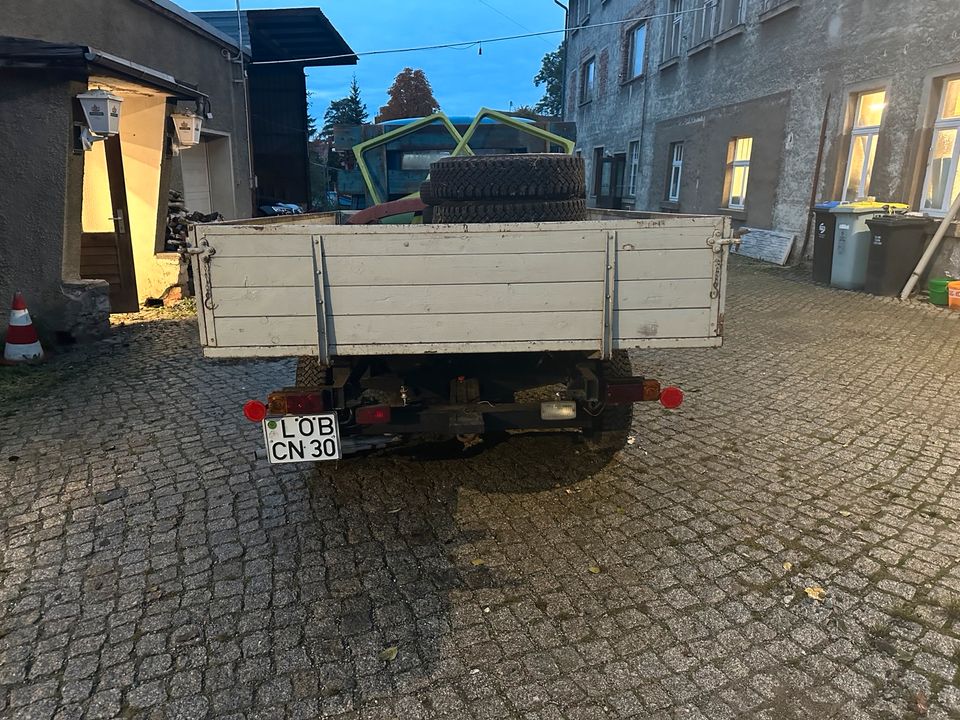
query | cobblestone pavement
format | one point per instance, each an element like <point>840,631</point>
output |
<point>151,567</point>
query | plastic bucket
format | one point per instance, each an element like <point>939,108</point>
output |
<point>953,294</point>
<point>937,291</point>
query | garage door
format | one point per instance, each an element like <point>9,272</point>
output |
<point>196,178</point>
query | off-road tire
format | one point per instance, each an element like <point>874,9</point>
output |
<point>310,373</point>
<point>509,212</point>
<point>544,176</point>
<point>426,194</point>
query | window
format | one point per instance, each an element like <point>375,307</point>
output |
<point>588,80</point>
<point>635,51</point>
<point>676,170</point>
<point>674,29</point>
<point>633,158</point>
<point>738,171</point>
<point>705,21</point>
<point>597,170</point>
<point>584,14</point>
<point>730,15</point>
<point>868,112</point>
<point>942,183</point>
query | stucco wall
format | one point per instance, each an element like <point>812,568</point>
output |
<point>805,55</point>
<point>42,176</point>
<point>35,121</point>
<point>139,31</point>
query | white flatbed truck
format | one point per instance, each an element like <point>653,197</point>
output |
<point>440,330</point>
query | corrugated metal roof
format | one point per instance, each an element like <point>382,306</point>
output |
<point>293,34</point>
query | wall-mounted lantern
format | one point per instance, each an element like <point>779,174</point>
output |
<point>101,109</point>
<point>187,124</point>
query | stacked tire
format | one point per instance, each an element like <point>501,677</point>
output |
<point>532,187</point>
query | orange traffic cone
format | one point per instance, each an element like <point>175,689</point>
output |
<point>22,342</point>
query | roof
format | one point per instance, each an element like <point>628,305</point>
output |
<point>39,54</point>
<point>292,34</point>
<point>192,21</point>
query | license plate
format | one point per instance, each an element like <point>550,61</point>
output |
<point>302,438</point>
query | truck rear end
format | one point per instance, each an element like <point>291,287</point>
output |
<point>460,330</point>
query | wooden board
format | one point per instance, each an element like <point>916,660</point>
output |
<point>464,288</point>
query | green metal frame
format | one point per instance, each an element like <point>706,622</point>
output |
<point>462,147</point>
<point>516,124</point>
<point>360,149</point>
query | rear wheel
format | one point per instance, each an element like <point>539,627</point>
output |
<point>612,425</point>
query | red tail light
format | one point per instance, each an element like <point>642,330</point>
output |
<point>254,410</point>
<point>281,403</point>
<point>373,414</point>
<point>671,397</point>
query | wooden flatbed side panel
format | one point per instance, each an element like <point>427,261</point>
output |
<point>518,346</point>
<point>663,264</point>
<point>459,328</point>
<point>255,331</point>
<point>662,294</point>
<point>270,272</point>
<point>498,297</point>
<point>260,351</point>
<point>463,269</point>
<point>264,301</point>
<point>673,323</point>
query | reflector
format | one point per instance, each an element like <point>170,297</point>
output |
<point>254,410</point>
<point>671,397</point>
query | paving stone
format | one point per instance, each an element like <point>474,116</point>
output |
<point>150,565</point>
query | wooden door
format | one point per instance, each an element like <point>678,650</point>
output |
<point>109,256</point>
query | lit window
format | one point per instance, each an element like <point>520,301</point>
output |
<point>633,157</point>
<point>868,114</point>
<point>676,170</point>
<point>636,45</point>
<point>942,184</point>
<point>738,171</point>
<point>674,29</point>
<point>588,79</point>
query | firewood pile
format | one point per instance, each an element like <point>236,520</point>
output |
<point>180,220</point>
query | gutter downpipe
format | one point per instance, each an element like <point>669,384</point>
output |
<point>931,249</point>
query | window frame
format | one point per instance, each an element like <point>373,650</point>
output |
<point>702,34</point>
<point>673,30</point>
<point>939,125</point>
<point>723,7</point>
<point>732,165</point>
<point>630,52</point>
<point>583,12</point>
<point>872,133</point>
<point>584,87</point>
<point>633,167</point>
<point>676,168</point>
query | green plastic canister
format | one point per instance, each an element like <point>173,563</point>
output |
<point>937,290</point>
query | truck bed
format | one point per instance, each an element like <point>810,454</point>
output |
<point>624,280</point>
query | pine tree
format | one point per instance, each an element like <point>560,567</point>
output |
<point>410,96</point>
<point>350,110</point>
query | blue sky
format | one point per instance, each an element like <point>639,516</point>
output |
<point>463,81</point>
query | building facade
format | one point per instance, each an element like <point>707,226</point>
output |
<point>752,108</point>
<point>82,232</point>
